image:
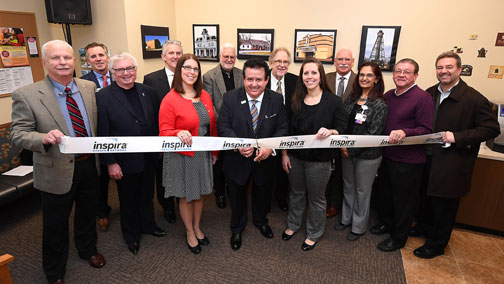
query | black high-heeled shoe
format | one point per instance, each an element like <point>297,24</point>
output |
<point>307,247</point>
<point>196,249</point>
<point>286,236</point>
<point>205,241</point>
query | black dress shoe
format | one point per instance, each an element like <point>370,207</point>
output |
<point>379,229</point>
<point>158,232</point>
<point>220,200</point>
<point>266,231</point>
<point>170,216</point>
<point>196,249</point>
<point>390,245</point>
<point>307,247</point>
<point>286,236</point>
<point>205,241</point>
<point>282,204</point>
<point>427,252</point>
<point>134,248</point>
<point>236,241</point>
<point>415,232</point>
<point>340,227</point>
<point>59,281</point>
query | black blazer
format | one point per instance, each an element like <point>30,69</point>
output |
<point>159,81</point>
<point>91,77</point>
<point>290,88</point>
<point>117,118</point>
<point>235,121</point>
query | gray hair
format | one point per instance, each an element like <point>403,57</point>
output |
<point>122,56</point>
<point>227,45</point>
<point>171,42</point>
<point>276,50</point>
<point>53,42</point>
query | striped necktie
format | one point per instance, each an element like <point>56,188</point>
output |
<point>255,114</point>
<point>341,87</point>
<point>279,88</point>
<point>75,115</point>
<point>105,83</point>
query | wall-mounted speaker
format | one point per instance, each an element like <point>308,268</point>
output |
<point>68,11</point>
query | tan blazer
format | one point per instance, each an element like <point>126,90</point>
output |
<point>331,81</point>
<point>35,112</point>
<point>213,83</point>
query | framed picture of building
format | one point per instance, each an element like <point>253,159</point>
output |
<point>206,42</point>
<point>152,40</point>
<point>314,43</point>
<point>255,42</point>
<point>379,45</point>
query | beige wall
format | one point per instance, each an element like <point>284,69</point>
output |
<point>428,28</point>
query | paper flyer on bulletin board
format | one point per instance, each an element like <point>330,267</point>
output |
<point>13,47</point>
<point>14,78</point>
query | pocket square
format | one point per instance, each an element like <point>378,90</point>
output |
<point>271,116</point>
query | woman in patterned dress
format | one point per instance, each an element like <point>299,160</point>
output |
<point>187,111</point>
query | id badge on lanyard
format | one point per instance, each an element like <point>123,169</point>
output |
<point>360,117</point>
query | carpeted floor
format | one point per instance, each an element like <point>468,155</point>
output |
<point>168,260</point>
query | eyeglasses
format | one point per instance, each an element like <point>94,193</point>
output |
<point>405,72</point>
<point>280,62</point>
<point>229,57</point>
<point>369,75</point>
<point>189,68</point>
<point>130,69</point>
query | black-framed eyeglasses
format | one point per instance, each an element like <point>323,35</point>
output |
<point>130,69</point>
<point>189,68</point>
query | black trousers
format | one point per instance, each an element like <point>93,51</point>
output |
<point>55,212</point>
<point>261,198</point>
<point>398,196</point>
<point>103,207</point>
<point>436,215</point>
<point>219,178</point>
<point>136,192</point>
<point>282,180</point>
<point>334,189</point>
<point>168,204</point>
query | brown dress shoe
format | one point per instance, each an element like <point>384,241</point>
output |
<point>331,211</point>
<point>59,281</point>
<point>103,224</point>
<point>97,260</point>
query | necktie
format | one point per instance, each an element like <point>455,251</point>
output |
<point>75,115</point>
<point>279,88</point>
<point>341,87</point>
<point>255,114</point>
<point>105,83</point>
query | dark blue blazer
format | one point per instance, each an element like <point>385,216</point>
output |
<point>159,81</point>
<point>91,77</point>
<point>290,88</point>
<point>117,118</point>
<point>235,120</point>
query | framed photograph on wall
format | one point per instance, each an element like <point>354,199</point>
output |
<point>152,40</point>
<point>206,42</point>
<point>314,43</point>
<point>254,42</point>
<point>379,44</point>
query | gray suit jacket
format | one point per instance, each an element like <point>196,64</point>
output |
<point>331,81</point>
<point>35,112</point>
<point>213,83</point>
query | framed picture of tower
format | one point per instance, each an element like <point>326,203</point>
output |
<point>379,44</point>
<point>206,42</point>
<point>314,43</point>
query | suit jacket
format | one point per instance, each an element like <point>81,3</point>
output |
<point>235,120</point>
<point>91,77</point>
<point>331,81</point>
<point>35,112</point>
<point>468,114</point>
<point>159,82</point>
<point>213,83</point>
<point>117,118</point>
<point>290,88</point>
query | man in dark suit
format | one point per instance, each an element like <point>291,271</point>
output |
<point>341,84</point>
<point>466,119</point>
<point>97,56</point>
<point>127,108</point>
<point>161,81</point>
<point>42,113</point>
<point>283,83</point>
<point>251,112</point>
<point>219,80</point>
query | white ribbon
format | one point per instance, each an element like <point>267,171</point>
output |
<point>140,144</point>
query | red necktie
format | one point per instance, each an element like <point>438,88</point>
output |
<point>105,84</point>
<point>75,115</point>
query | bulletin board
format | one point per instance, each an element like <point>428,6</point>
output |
<point>27,22</point>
